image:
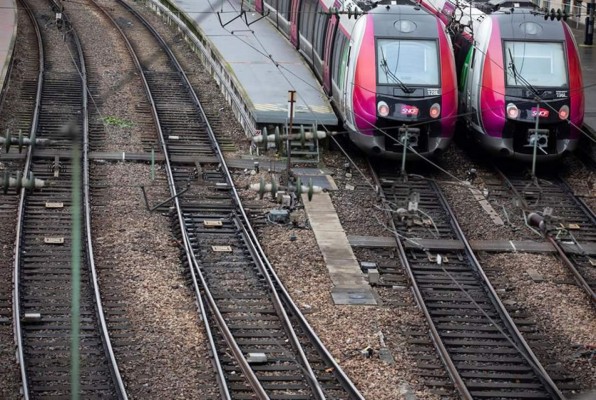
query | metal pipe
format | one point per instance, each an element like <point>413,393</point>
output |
<point>403,156</point>
<point>291,100</point>
<point>535,136</point>
<point>152,163</point>
<point>163,202</point>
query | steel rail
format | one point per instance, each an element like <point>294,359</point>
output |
<point>246,120</point>
<point>577,275</point>
<point>105,335</point>
<point>240,358</point>
<point>518,341</point>
<point>581,281</point>
<point>172,187</point>
<point>21,209</point>
<point>312,380</point>
<point>252,241</point>
<point>285,296</point>
<point>511,326</point>
<point>570,264</point>
<point>436,338</point>
<point>19,235</point>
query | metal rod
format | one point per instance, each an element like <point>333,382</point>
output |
<point>163,202</point>
<point>535,139</point>
<point>405,144</point>
<point>152,163</point>
<point>75,272</point>
<point>291,100</point>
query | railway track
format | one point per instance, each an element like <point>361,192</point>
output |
<point>46,232</point>
<point>480,344</point>
<point>569,223</point>
<point>259,351</point>
<point>17,109</point>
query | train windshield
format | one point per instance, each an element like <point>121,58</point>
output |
<point>407,62</point>
<point>535,63</point>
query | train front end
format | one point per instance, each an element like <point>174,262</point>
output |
<point>412,99</point>
<point>541,109</point>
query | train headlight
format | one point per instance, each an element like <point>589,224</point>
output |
<point>435,110</point>
<point>512,111</point>
<point>564,112</point>
<point>383,108</point>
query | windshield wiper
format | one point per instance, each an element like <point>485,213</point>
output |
<point>391,75</point>
<point>517,75</point>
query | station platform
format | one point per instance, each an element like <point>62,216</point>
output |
<point>8,35</point>
<point>253,63</point>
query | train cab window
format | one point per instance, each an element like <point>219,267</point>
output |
<point>409,61</point>
<point>536,63</point>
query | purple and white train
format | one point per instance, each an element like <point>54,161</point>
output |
<point>516,66</point>
<point>389,71</point>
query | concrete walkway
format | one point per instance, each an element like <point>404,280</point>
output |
<point>350,286</point>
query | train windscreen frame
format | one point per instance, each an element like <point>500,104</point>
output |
<point>540,64</point>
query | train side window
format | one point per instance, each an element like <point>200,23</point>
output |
<point>306,20</point>
<point>343,64</point>
<point>472,65</point>
<point>338,51</point>
<point>284,8</point>
<point>320,28</point>
<point>311,21</point>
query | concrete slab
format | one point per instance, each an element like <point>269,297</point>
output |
<point>333,247</point>
<point>324,181</point>
<point>353,296</point>
<point>522,246</point>
<point>311,171</point>
<point>350,284</point>
<point>535,275</point>
<point>371,241</point>
<point>321,204</point>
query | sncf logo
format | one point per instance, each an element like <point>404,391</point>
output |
<point>409,110</point>
<point>542,112</point>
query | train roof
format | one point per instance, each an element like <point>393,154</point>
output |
<point>505,5</point>
<point>416,21</point>
<point>366,5</point>
<point>387,12</point>
<point>525,24</point>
